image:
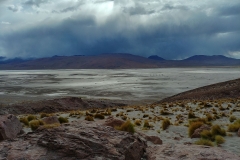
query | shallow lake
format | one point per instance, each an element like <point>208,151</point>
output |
<point>126,84</point>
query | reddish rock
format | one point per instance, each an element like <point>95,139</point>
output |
<point>197,132</point>
<point>154,139</point>
<point>113,122</point>
<point>10,126</point>
<point>50,120</point>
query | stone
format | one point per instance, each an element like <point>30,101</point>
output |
<point>51,120</point>
<point>10,127</point>
<point>196,133</point>
<point>80,140</point>
<point>238,133</point>
<point>112,122</point>
<point>188,152</point>
<point>154,139</point>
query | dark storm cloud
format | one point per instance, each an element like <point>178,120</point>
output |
<point>171,31</point>
<point>35,2</point>
<point>230,10</point>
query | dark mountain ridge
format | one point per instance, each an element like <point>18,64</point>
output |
<point>115,61</point>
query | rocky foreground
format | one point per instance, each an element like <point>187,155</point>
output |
<point>72,128</point>
<point>98,140</point>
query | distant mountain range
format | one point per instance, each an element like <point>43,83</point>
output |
<point>114,61</point>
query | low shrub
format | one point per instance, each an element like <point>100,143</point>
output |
<point>24,120</point>
<point>89,118</point>
<point>164,112</point>
<point>206,134</point>
<point>31,117</point>
<point>165,124</point>
<point>193,126</point>
<point>34,124</point>
<point>42,115</point>
<point>191,115</point>
<point>205,142</point>
<point>145,115</point>
<point>209,117</point>
<point>137,122</point>
<point>232,118</point>
<point>49,126</point>
<point>219,139</point>
<point>127,126</point>
<point>146,124</point>
<point>63,120</point>
<point>234,127</point>
<point>100,116</point>
<point>217,130</point>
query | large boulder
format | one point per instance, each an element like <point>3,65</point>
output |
<point>197,132</point>
<point>51,120</point>
<point>80,140</point>
<point>112,122</point>
<point>10,126</point>
<point>188,152</point>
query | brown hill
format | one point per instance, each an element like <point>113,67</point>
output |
<point>228,89</point>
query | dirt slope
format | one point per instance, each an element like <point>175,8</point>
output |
<point>228,89</point>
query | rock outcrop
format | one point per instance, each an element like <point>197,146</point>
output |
<point>50,120</point>
<point>197,132</point>
<point>188,152</point>
<point>10,126</point>
<point>81,140</point>
<point>112,122</point>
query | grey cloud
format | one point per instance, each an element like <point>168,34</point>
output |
<point>172,7</point>
<point>170,36</point>
<point>13,8</point>
<point>230,10</point>
<point>35,2</point>
<point>138,10</point>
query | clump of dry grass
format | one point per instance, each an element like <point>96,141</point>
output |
<point>232,118</point>
<point>164,112</point>
<point>146,124</point>
<point>217,130</point>
<point>165,124</point>
<point>191,115</point>
<point>49,126</point>
<point>127,126</point>
<point>99,116</point>
<point>89,118</point>
<point>42,115</point>
<point>34,124</point>
<point>63,120</point>
<point>234,127</point>
<point>193,126</point>
<point>31,117</point>
<point>206,134</point>
<point>24,120</point>
<point>209,117</point>
<point>137,122</point>
<point>219,139</point>
<point>145,115</point>
<point>205,142</point>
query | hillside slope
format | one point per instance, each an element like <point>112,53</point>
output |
<point>228,89</point>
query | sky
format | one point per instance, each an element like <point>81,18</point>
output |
<point>172,29</point>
